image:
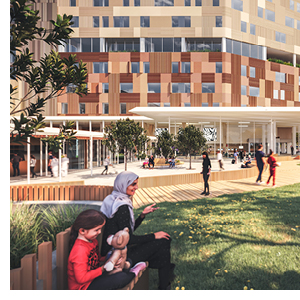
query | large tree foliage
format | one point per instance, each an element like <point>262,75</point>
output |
<point>165,143</point>
<point>44,79</point>
<point>190,140</point>
<point>126,135</point>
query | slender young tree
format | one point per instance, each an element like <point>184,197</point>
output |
<point>165,143</point>
<point>190,140</point>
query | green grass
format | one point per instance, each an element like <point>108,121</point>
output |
<point>232,242</point>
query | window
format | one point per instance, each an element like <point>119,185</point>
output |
<point>243,70</point>
<point>275,94</point>
<point>198,2</point>
<point>167,104</point>
<point>71,88</point>
<point>154,104</point>
<point>75,21</point>
<point>100,67</point>
<point>175,68</point>
<point>237,4</point>
<point>181,21</point>
<point>254,91</point>
<point>208,87</point>
<point>185,67</point>
<point>292,4</point>
<point>125,2</point>
<point>187,104</point>
<point>86,45</point>
<point>101,2</point>
<point>96,44</point>
<point>289,22</point>
<point>105,87</point>
<point>164,3</point>
<point>216,2</point>
<point>105,21</point>
<point>204,104</point>
<point>64,108</point>
<point>216,104</point>
<point>162,44</point>
<point>145,21</point>
<point>135,67</point>
<point>105,108</point>
<point>187,2</point>
<point>218,67</point>
<point>252,72</point>
<point>244,90</point>
<point>122,44</point>
<point>121,21</point>
<point>260,12</point>
<point>252,29</point>
<point>218,21</point>
<point>270,15</point>
<point>298,25</point>
<point>96,21</point>
<point>153,87</point>
<point>137,3</point>
<point>181,87</point>
<point>146,67</point>
<point>282,95</point>
<point>243,26</point>
<point>72,2</point>
<point>82,108</point>
<point>122,108</point>
<point>280,77</point>
<point>280,37</point>
<point>298,7</point>
<point>126,87</point>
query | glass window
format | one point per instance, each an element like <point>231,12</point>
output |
<point>105,21</point>
<point>185,67</point>
<point>105,108</point>
<point>75,21</point>
<point>82,108</point>
<point>100,67</point>
<point>280,77</point>
<point>125,2</point>
<point>237,4</point>
<point>145,21</point>
<point>252,29</point>
<point>198,2</point>
<point>208,87</point>
<point>253,51</point>
<point>105,87</point>
<point>121,21</point>
<point>270,15</point>
<point>126,87</point>
<point>254,91</point>
<point>86,45</point>
<point>101,2</point>
<point>96,44</point>
<point>181,87</point>
<point>122,108</point>
<point>216,104</point>
<point>260,12</point>
<point>162,44</point>
<point>154,104</point>
<point>164,3</point>
<point>292,3</point>
<point>282,95</point>
<point>146,67</point>
<point>243,26</point>
<point>96,21</point>
<point>275,94</point>
<point>167,104</point>
<point>216,2</point>
<point>298,7</point>
<point>298,25</point>
<point>187,2</point>
<point>243,70</point>
<point>204,104</point>
<point>245,49</point>
<point>236,47</point>
<point>252,72</point>
<point>72,2</point>
<point>244,90</point>
<point>137,3</point>
<point>64,108</point>
<point>280,37</point>
<point>289,22</point>
<point>187,104</point>
<point>218,67</point>
<point>175,68</point>
<point>229,45</point>
<point>153,87</point>
<point>179,21</point>
<point>74,45</point>
<point>135,67</point>
<point>219,21</point>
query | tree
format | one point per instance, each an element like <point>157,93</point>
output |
<point>190,140</point>
<point>124,134</point>
<point>45,79</point>
<point>165,143</point>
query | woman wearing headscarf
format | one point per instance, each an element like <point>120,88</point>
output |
<point>206,167</point>
<point>154,247</point>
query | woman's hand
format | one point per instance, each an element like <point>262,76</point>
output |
<point>149,209</point>
<point>161,235</point>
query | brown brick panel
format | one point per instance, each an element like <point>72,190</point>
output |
<point>275,67</point>
<point>268,89</point>
<point>126,78</point>
<point>290,78</point>
<point>208,77</point>
<point>175,100</point>
<point>253,82</point>
<point>286,86</point>
<point>135,56</point>
<point>154,77</point>
<point>236,99</point>
<point>180,77</point>
<point>153,97</point>
<point>260,73</point>
<point>89,98</point>
<point>215,56</point>
<point>129,97</point>
<point>296,103</point>
<point>289,95</point>
<point>275,102</point>
<point>196,99</point>
<point>252,101</point>
<point>210,99</point>
<point>257,63</point>
<point>226,78</point>
<point>103,56</point>
<point>185,56</point>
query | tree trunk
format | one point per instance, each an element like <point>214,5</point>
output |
<point>125,158</point>
<point>190,161</point>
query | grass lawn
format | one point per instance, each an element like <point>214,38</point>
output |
<point>232,242</point>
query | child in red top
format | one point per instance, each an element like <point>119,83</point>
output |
<point>273,164</point>
<point>85,269</point>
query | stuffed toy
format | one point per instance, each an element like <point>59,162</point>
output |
<point>117,259</point>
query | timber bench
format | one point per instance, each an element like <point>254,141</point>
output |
<point>161,162</point>
<point>140,282</point>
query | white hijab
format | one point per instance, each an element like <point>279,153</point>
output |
<point>118,197</point>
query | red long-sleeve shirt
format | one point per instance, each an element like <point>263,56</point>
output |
<point>83,264</point>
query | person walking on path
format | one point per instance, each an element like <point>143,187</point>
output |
<point>16,164</point>
<point>151,162</point>
<point>206,167</point>
<point>292,150</point>
<point>32,165</point>
<point>153,247</point>
<point>50,158</point>
<point>220,160</point>
<point>106,163</point>
<point>235,155</point>
<point>273,164</point>
<point>260,162</point>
